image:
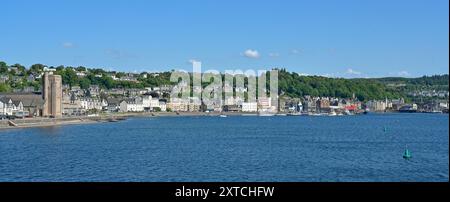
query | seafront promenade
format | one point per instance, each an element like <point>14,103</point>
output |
<point>102,118</point>
<point>46,122</point>
<point>115,117</point>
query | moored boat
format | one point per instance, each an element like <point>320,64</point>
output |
<point>332,113</point>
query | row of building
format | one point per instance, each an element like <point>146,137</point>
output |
<point>86,105</point>
<point>56,100</point>
<point>73,105</point>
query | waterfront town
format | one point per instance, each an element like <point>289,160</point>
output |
<point>53,99</point>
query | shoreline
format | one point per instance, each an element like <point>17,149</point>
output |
<point>43,122</point>
<point>107,118</point>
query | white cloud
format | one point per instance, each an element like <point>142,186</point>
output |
<point>251,53</point>
<point>303,74</point>
<point>352,72</point>
<point>295,51</point>
<point>329,75</point>
<point>403,73</point>
<point>67,45</point>
<point>274,55</point>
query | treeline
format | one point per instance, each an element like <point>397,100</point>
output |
<point>434,80</point>
<point>104,79</point>
<point>290,84</point>
<point>92,77</point>
<point>15,77</point>
<point>295,85</point>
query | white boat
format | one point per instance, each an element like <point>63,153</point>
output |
<point>223,116</point>
<point>332,113</point>
<point>347,112</point>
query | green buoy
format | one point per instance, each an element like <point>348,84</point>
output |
<point>407,154</point>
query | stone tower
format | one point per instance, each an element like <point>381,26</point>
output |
<point>52,95</point>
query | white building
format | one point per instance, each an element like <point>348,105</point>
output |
<point>233,100</point>
<point>377,105</point>
<point>10,107</point>
<point>131,105</point>
<point>81,74</point>
<point>443,105</point>
<point>249,107</point>
<point>162,106</point>
<point>91,103</point>
<point>178,105</point>
<point>264,103</point>
<point>146,101</point>
<point>154,102</point>
<point>149,102</point>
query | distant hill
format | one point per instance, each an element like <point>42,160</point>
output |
<point>425,83</point>
<point>290,84</point>
<point>295,85</point>
<point>425,80</point>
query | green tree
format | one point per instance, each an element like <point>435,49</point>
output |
<point>120,74</point>
<point>3,68</point>
<point>81,69</point>
<point>4,88</point>
<point>69,76</point>
<point>37,68</point>
<point>21,69</point>
<point>85,83</point>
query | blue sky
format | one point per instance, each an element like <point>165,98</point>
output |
<point>345,38</point>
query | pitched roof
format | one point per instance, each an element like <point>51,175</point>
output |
<point>7,99</point>
<point>4,99</point>
<point>27,99</point>
<point>114,101</point>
